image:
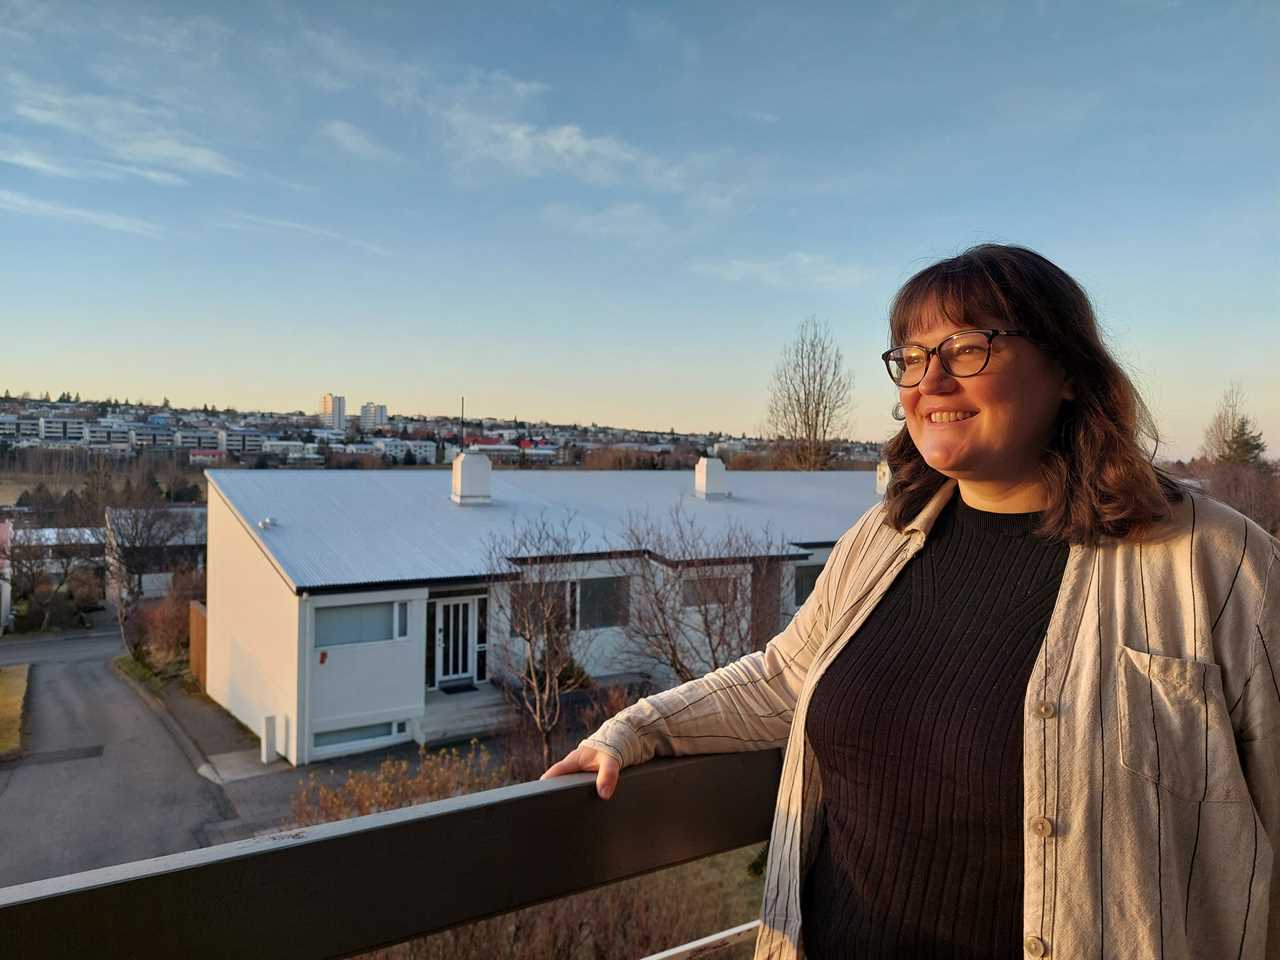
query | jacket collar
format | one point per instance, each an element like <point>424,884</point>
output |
<point>923,521</point>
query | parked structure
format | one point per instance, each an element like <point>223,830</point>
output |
<point>340,601</point>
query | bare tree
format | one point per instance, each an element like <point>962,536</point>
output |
<point>22,561</point>
<point>144,534</point>
<point>533,569</point>
<point>699,600</point>
<point>811,396</point>
<point>1218,434</point>
<point>41,563</point>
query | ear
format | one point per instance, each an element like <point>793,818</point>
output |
<point>1068,391</point>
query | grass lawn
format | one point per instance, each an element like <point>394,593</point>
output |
<point>13,689</point>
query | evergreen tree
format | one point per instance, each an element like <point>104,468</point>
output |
<point>1244,443</point>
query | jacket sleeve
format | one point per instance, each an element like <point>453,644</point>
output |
<point>746,705</point>
<point>1258,737</point>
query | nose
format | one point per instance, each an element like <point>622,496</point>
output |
<point>936,379</point>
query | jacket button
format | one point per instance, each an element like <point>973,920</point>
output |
<point>1042,826</point>
<point>1044,710</point>
<point>1035,947</point>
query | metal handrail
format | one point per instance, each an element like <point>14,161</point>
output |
<point>351,886</point>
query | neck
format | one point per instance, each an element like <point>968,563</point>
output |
<point>1004,496</point>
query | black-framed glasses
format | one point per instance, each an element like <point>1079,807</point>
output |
<point>962,354</point>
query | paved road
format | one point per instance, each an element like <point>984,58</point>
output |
<point>98,645</point>
<point>105,783</point>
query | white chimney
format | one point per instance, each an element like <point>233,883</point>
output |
<point>709,480</point>
<point>470,479</point>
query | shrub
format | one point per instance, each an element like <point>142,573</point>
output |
<point>438,774</point>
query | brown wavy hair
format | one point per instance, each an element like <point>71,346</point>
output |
<point>1101,481</point>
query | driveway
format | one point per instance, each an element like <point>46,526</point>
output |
<point>104,782</point>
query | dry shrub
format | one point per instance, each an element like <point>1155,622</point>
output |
<point>601,704</point>
<point>160,631</point>
<point>85,587</point>
<point>396,783</point>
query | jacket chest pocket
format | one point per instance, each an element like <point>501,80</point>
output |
<point>1174,728</point>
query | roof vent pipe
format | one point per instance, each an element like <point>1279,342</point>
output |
<point>470,479</point>
<point>709,479</point>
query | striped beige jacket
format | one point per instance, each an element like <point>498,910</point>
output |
<point>1151,749</point>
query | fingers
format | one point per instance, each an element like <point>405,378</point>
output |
<point>569,764</point>
<point>607,777</point>
<point>586,759</point>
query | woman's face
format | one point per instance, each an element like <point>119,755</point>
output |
<point>1014,400</point>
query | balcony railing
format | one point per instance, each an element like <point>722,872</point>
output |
<point>355,885</point>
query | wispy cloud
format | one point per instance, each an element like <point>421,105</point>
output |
<point>17,154</point>
<point>29,206</point>
<point>793,270</point>
<point>759,116</point>
<point>530,150</point>
<point>356,142</point>
<point>121,127</point>
<point>246,221</point>
<point>484,117</point>
<point>37,163</point>
<point>628,222</point>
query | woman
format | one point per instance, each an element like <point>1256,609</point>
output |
<point>1031,707</point>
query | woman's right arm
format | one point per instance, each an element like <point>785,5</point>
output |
<point>746,705</point>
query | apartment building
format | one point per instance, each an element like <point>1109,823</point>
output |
<point>373,416</point>
<point>333,411</point>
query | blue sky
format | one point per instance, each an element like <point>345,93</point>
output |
<point>619,213</point>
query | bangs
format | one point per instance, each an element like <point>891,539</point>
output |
<point>959,294</point>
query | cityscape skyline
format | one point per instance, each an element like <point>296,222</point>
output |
<point>620,215</point>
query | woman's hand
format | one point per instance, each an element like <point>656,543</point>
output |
<point>588,758</point>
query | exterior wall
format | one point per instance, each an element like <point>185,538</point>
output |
<point>198,624</point>
<point>363,683</point>
<point>253,632</point>
<point>605,650</point>
<point>6,532</point>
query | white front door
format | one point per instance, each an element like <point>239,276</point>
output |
<point>455,639</point>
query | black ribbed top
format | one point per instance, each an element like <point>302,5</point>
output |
<point>917,729</point>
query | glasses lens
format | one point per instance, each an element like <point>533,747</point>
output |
<point>966,354</point>
<point>906,365</point>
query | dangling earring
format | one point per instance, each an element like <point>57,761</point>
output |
<point>897,412</point>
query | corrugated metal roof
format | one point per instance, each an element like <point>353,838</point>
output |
<point>347,527</point>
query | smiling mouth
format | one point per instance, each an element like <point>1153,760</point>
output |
<point>949,419</point>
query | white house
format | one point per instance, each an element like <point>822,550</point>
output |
<point>340,603</point>
<point>6,532</point>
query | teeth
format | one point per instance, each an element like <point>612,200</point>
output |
<point>950,416</point>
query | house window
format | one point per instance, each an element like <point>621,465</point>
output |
<point>402,619</point>
<point>700,591</point>
<point>482,638</point>
<point>806,576</point>
<point>431,644</point>
<point>332,738</point>
<point>605,602</point>
<point>356,623</point>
